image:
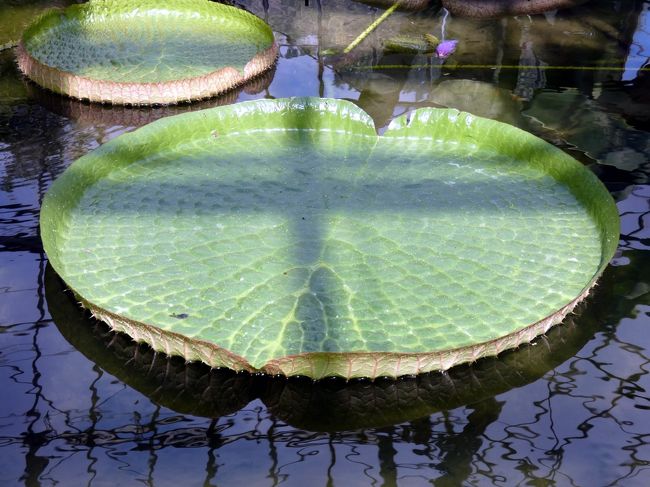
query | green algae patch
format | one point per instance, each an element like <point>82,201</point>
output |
<point>285,236</point>
<point>142,52</point>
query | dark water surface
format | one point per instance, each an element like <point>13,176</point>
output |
<point>82,406</point>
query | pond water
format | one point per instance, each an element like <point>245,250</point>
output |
<point>82,406</point>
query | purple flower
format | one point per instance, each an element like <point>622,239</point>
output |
<point>446,48</point>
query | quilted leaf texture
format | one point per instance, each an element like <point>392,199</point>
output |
<point>285,236</point>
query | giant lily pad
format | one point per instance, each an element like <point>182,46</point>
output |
<point>135,52</point>
<point>285,236</point>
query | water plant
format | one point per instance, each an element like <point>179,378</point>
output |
<point>135,52</point>
<point>285,236</point>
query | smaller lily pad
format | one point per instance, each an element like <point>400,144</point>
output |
<point>135,52</point>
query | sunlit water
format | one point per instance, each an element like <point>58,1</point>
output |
<point>80,406</point>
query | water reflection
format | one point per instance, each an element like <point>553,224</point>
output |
<point>450,446</point>
<point>96,114</point>
<point>578,418</point>
<point>584,46</point>
<point>336,404</point>
<point>603,136</point>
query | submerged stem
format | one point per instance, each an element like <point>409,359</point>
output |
<point>371,27</point>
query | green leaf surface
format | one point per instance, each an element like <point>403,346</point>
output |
<point>145,42</point>
<point>289,234</point>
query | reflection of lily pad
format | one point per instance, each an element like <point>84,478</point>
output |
<point>477,97</point>
<point>285,236</point>
<point>426,43</point>
<point>134,52</point>
<point>12,88</point>
<point>96,114</point>
<point>186,388</point>
<point>581,122</point>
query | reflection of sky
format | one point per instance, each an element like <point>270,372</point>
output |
<point>640,48</point>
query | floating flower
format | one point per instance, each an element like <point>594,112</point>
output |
<point>446,48</point>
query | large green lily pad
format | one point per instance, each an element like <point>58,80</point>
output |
<point>135,52</point>
<point>285,236</point>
